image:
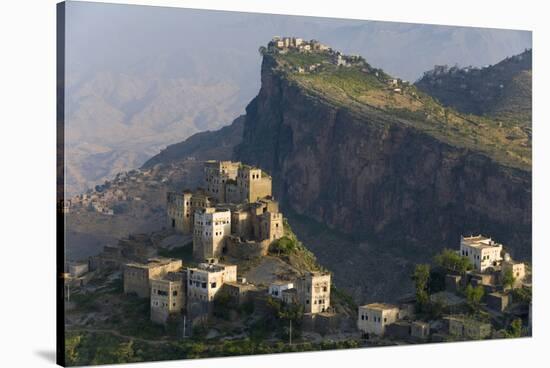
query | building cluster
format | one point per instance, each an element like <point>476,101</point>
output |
<point>177,291</point>
<point>234,214</point>
<point>103,198</point>
<point>493,269</point>
<point>490,264</point>
<point>284,44</point>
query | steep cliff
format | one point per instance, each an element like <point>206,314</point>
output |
<point>391,170</point>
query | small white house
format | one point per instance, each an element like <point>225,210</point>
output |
<point>373,318</point>
<point>276,288</point>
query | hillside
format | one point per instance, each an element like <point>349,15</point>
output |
<point>502,91</point>
<point>374,157</point>
<point>209,145</point>
<point>365,92</point>
<point>366,173</point>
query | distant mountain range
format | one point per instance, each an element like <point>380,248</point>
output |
<point>149,77</point>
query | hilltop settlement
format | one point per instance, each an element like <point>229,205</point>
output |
<point>227,269</point>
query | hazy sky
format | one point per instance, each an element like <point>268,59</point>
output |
<point>141,77</point>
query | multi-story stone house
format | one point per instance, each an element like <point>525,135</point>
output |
<point>313,290</point>
<point>179,211</point>
<point>137,276</point>
<point>168,295</point>
<point>211,227</point>
<point>483,252</point>
<point>216,174</point>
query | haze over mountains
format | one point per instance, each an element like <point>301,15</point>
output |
<point>141,78</point>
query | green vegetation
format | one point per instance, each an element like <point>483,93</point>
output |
<point>294,251</point>
<point>522,295</point>
<point>364,91</point>
<point>451,261</point>
<point>474,296</point>
<point>515,329</point>
<point>508,279</point>
<point>421,278</point>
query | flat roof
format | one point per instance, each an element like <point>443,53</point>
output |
<point>379,306</point>
<point>152,262</point>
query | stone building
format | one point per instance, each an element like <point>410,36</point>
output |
<point>168,295</point>
<point>77,269</point>
<point>258,221</point>
<point>276,288</point>
<point>239,292</point>
<point>211,227</point>
<point>179,211</point>
<point>253,184</point>
<point>216,174</point>
<point>483,252</point>
<point>517,269</point>
<point>420,330</point>
<point>137,276</point>
<point>464,327</point>
<point>372,319</point>
<point>313,290</point>
<point>206,280</point>
<point>226,182</point>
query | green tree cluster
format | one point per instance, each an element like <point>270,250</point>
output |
<point>421,277</point>
<point>452,261</point>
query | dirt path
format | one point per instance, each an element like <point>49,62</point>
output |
<point>118,334</point>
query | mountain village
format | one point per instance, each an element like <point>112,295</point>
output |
<point>226,259</point>
<point>235,218</point>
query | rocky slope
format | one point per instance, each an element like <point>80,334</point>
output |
<point>502,90</point>
<point>371,173</point>
<point>371,190</point>
<point>209,145</point>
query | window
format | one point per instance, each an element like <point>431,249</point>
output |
<point>203,285</point>
<point>174,293</point>
<point>363,317</point>
<point>213,285</point>
<point>307,301</point>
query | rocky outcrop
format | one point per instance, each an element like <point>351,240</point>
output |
<point>373,175</point>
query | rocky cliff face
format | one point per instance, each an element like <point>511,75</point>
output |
<point>372,176</point>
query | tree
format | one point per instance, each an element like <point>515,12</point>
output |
<point>508,279</point>
<point>474,296</point>
<point>421,276</point>
<point>515,328</point>
<point>452,261</point>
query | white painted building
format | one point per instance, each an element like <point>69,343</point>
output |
<point>205,280</point>
<point>483,252</point>
<point>211,227</point>
<point>276,288</point>
<point>373,318</point>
